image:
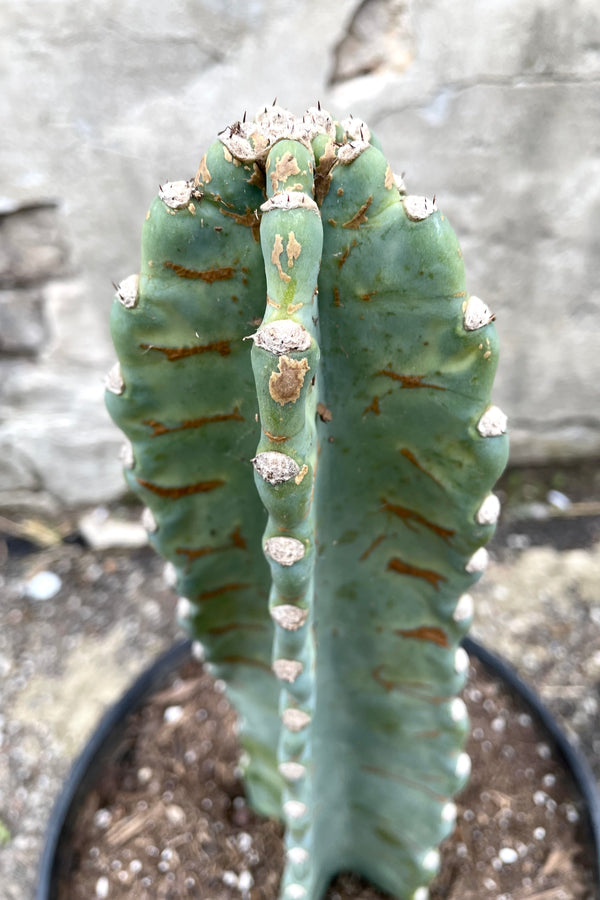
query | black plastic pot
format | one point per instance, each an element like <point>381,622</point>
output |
<point>108,733</point>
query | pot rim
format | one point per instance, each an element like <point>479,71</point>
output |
<point>107,734</point>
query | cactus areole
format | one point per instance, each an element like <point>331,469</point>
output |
<point>305,384</point>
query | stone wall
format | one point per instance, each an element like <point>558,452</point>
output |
<point>494,105</point>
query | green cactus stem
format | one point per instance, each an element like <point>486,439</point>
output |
<point>305,382</point>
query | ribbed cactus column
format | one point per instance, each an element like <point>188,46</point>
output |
<point>285,357</point>
<point>348,691</point>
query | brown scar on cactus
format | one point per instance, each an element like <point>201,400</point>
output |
<point>408,516</point>
<point>286,384</point>
<point>409,381</point>
<point>237,542</point>
<point>413,688</point>
<point>403,568</point>
<point>235,626</point>
<point>359,218</point>
<point>373,407</point>
<point>275,258</point>
<point>186,490</point>
<point>425,633</point>
<point>323,172</point>
<point>346,252</point>
<point>249,219</point>
<point>238,659</point>
<point>208,275</point>
<point>300,476</point>
<point>382,773</point>
<point>285,167</point>
<point>410,456</point>
<point>324,414</point>
<point>372,546</point>
<point>224,589</point>
<point>158,428</point>
<point>293,249</point>
<point>276,438</point>
<point>223,348</point>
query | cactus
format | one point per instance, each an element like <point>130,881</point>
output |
<point>317,467</point>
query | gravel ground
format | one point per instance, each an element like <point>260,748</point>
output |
<point>78,622</point>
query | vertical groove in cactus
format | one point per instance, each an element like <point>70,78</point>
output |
<point>305,383</point>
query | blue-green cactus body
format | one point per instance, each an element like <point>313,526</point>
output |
<point>403,473</point>
<point>364,405</point>
<point>189,406</point>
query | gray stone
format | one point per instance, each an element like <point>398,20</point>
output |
<point>22,330</point>
<point>32,246</point>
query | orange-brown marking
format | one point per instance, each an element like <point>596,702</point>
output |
<point>394,776</point>
<point>372,547</point>
<point>410,456</point>
<point>249,219</point>
<point>410,515</point>
<point>293,249</point>
<point>235,626</point>
<point>336,296</point>
<point>275,258</point>
<point>285,167</point>
<point>244,661</point>
<point>359,218</point>
<point>323,173</point>
<point>409,381</point>
<point>236,538</point>
<point>366,297</point>
<point>175,353</point>
<point>398,565</point>
<point>413,688</point>
<point>224,589</point>
<point>300,476</point>
<point>425,633</point>
<point>158,428</point>
<point>373,407</point>
<point>258,177</point>
<point>175,493</point>
<point>324,414</point>
<point>286,384</point>
<point>278,438</point>
<point>203,175</point>
<point>346,253</point>
<point>208,275</point>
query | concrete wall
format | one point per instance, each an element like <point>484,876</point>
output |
<point>493,105</point>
